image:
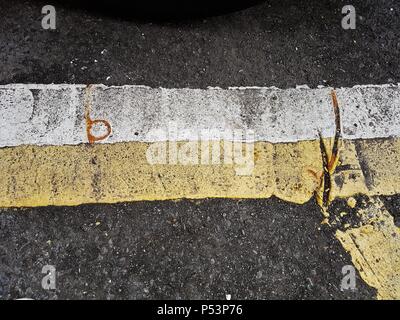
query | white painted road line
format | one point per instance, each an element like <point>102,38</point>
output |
<point>55,114</point>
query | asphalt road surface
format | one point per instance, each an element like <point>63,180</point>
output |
<point>190,249</point>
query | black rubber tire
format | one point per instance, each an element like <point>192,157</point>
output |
<point>164,9</point>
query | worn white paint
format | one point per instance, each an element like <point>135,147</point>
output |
<point>55,114</point>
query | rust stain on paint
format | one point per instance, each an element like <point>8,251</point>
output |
<point>90,123</point>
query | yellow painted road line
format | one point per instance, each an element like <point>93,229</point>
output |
<point>73,175</point>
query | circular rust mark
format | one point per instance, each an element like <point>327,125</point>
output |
<point>90,123</point>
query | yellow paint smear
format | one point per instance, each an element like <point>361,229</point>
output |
<point>375,249</point>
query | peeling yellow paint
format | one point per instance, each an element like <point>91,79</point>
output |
<point>375,249</point>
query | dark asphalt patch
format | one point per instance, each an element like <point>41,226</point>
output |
<point>342,217</point>
<point>392,204</point>
<point>251,249</point>
<point>279,43</point>
<point>352,218</point>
